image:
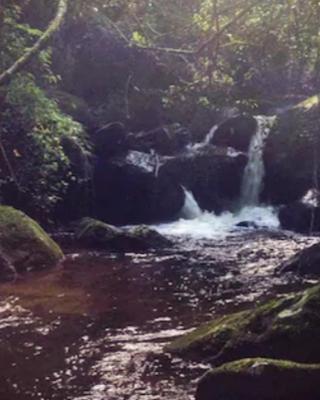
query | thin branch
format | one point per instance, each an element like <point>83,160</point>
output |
<point>7,75</point>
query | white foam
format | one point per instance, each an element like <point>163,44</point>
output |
<point>208,225</point>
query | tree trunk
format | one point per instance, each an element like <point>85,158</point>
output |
<point>54,25</point>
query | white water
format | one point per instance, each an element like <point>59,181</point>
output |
<point>199,224</point>
<point>254,172</point>
<point>208,225</point>
<point>190,209</point>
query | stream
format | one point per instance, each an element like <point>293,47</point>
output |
<point>94,328</point>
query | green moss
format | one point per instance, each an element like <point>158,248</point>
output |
<point>24,242</point>
<point>261,378</point>
<point>309,103</point>
<point>286,327</point>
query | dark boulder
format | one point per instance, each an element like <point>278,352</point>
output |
<point>110,140</point>
<point>214,175</point>
<point>291,154</point>
<point>99,235</point>
<point>129,190</point>
<point>236,132</point>
<point>263,379</point>
<point>302,216</point>
<point>305,262</point>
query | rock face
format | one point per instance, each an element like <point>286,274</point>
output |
<point>98,235</point>
<point>284,329</point>
<point>110,140</point>
<point>24,244</point>
<point>128,190</point>
<point>302,216</point>
<point>236,132</point>
<point>212,174</point>
<point>263,379</point>
<point>291,152</point>
<point>306,262</point>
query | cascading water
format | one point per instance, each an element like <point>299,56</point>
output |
<point>190,209</point>
<point>254,172</point>
<point>203,224</point>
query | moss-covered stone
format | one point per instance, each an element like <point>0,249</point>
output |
<point>287,328</point>
<point>263,379</point>
<point>96,234</point>
<point>24,244</point>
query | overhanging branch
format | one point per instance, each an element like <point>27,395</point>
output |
<point>54,25</point>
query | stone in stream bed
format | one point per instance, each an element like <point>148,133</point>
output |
<point>24,245</point>
<point>287,328</point>
<point>96,234</point>
<point>262,379</point>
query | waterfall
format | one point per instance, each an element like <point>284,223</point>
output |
<point>252,182</point>
<point>190,209</point>
<point>210,135</point>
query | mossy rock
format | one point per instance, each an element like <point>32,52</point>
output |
<point>24,244</point>
<point>262,379</point>
<point>286,328</point>
<point>96,234</point>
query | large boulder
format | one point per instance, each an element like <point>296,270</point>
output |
<point>110,140</point>
<point>263,379</point>
<point>291,153</point>
<point>129,190</point>
<point>214,175</point>
<point>24,244</point>
<point>286,328</point>
<point>305,262</point>
<point>236,132</point>
<point>99,235</point>
<point>302,216</point>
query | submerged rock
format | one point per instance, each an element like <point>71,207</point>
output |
<point>305,262</point>
<point>24,244</point>
<point>263,379</point>
<point>287,328</point>
<point>96,234</point>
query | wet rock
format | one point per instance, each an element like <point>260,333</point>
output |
<point>212,174</point>
<point>290,154</point>
<point>305,262</point>
<point>247,224</point>
<point>287,328</point>
<point>165,140</point>
<point>302,216</point>
<point>24,244</point>
<point>129,190</point>
<point>7,270</point>
<point>263,379</point>
<point>236,132</point>
<point>96,234</point>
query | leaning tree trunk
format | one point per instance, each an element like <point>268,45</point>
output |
<point>54,25</point>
